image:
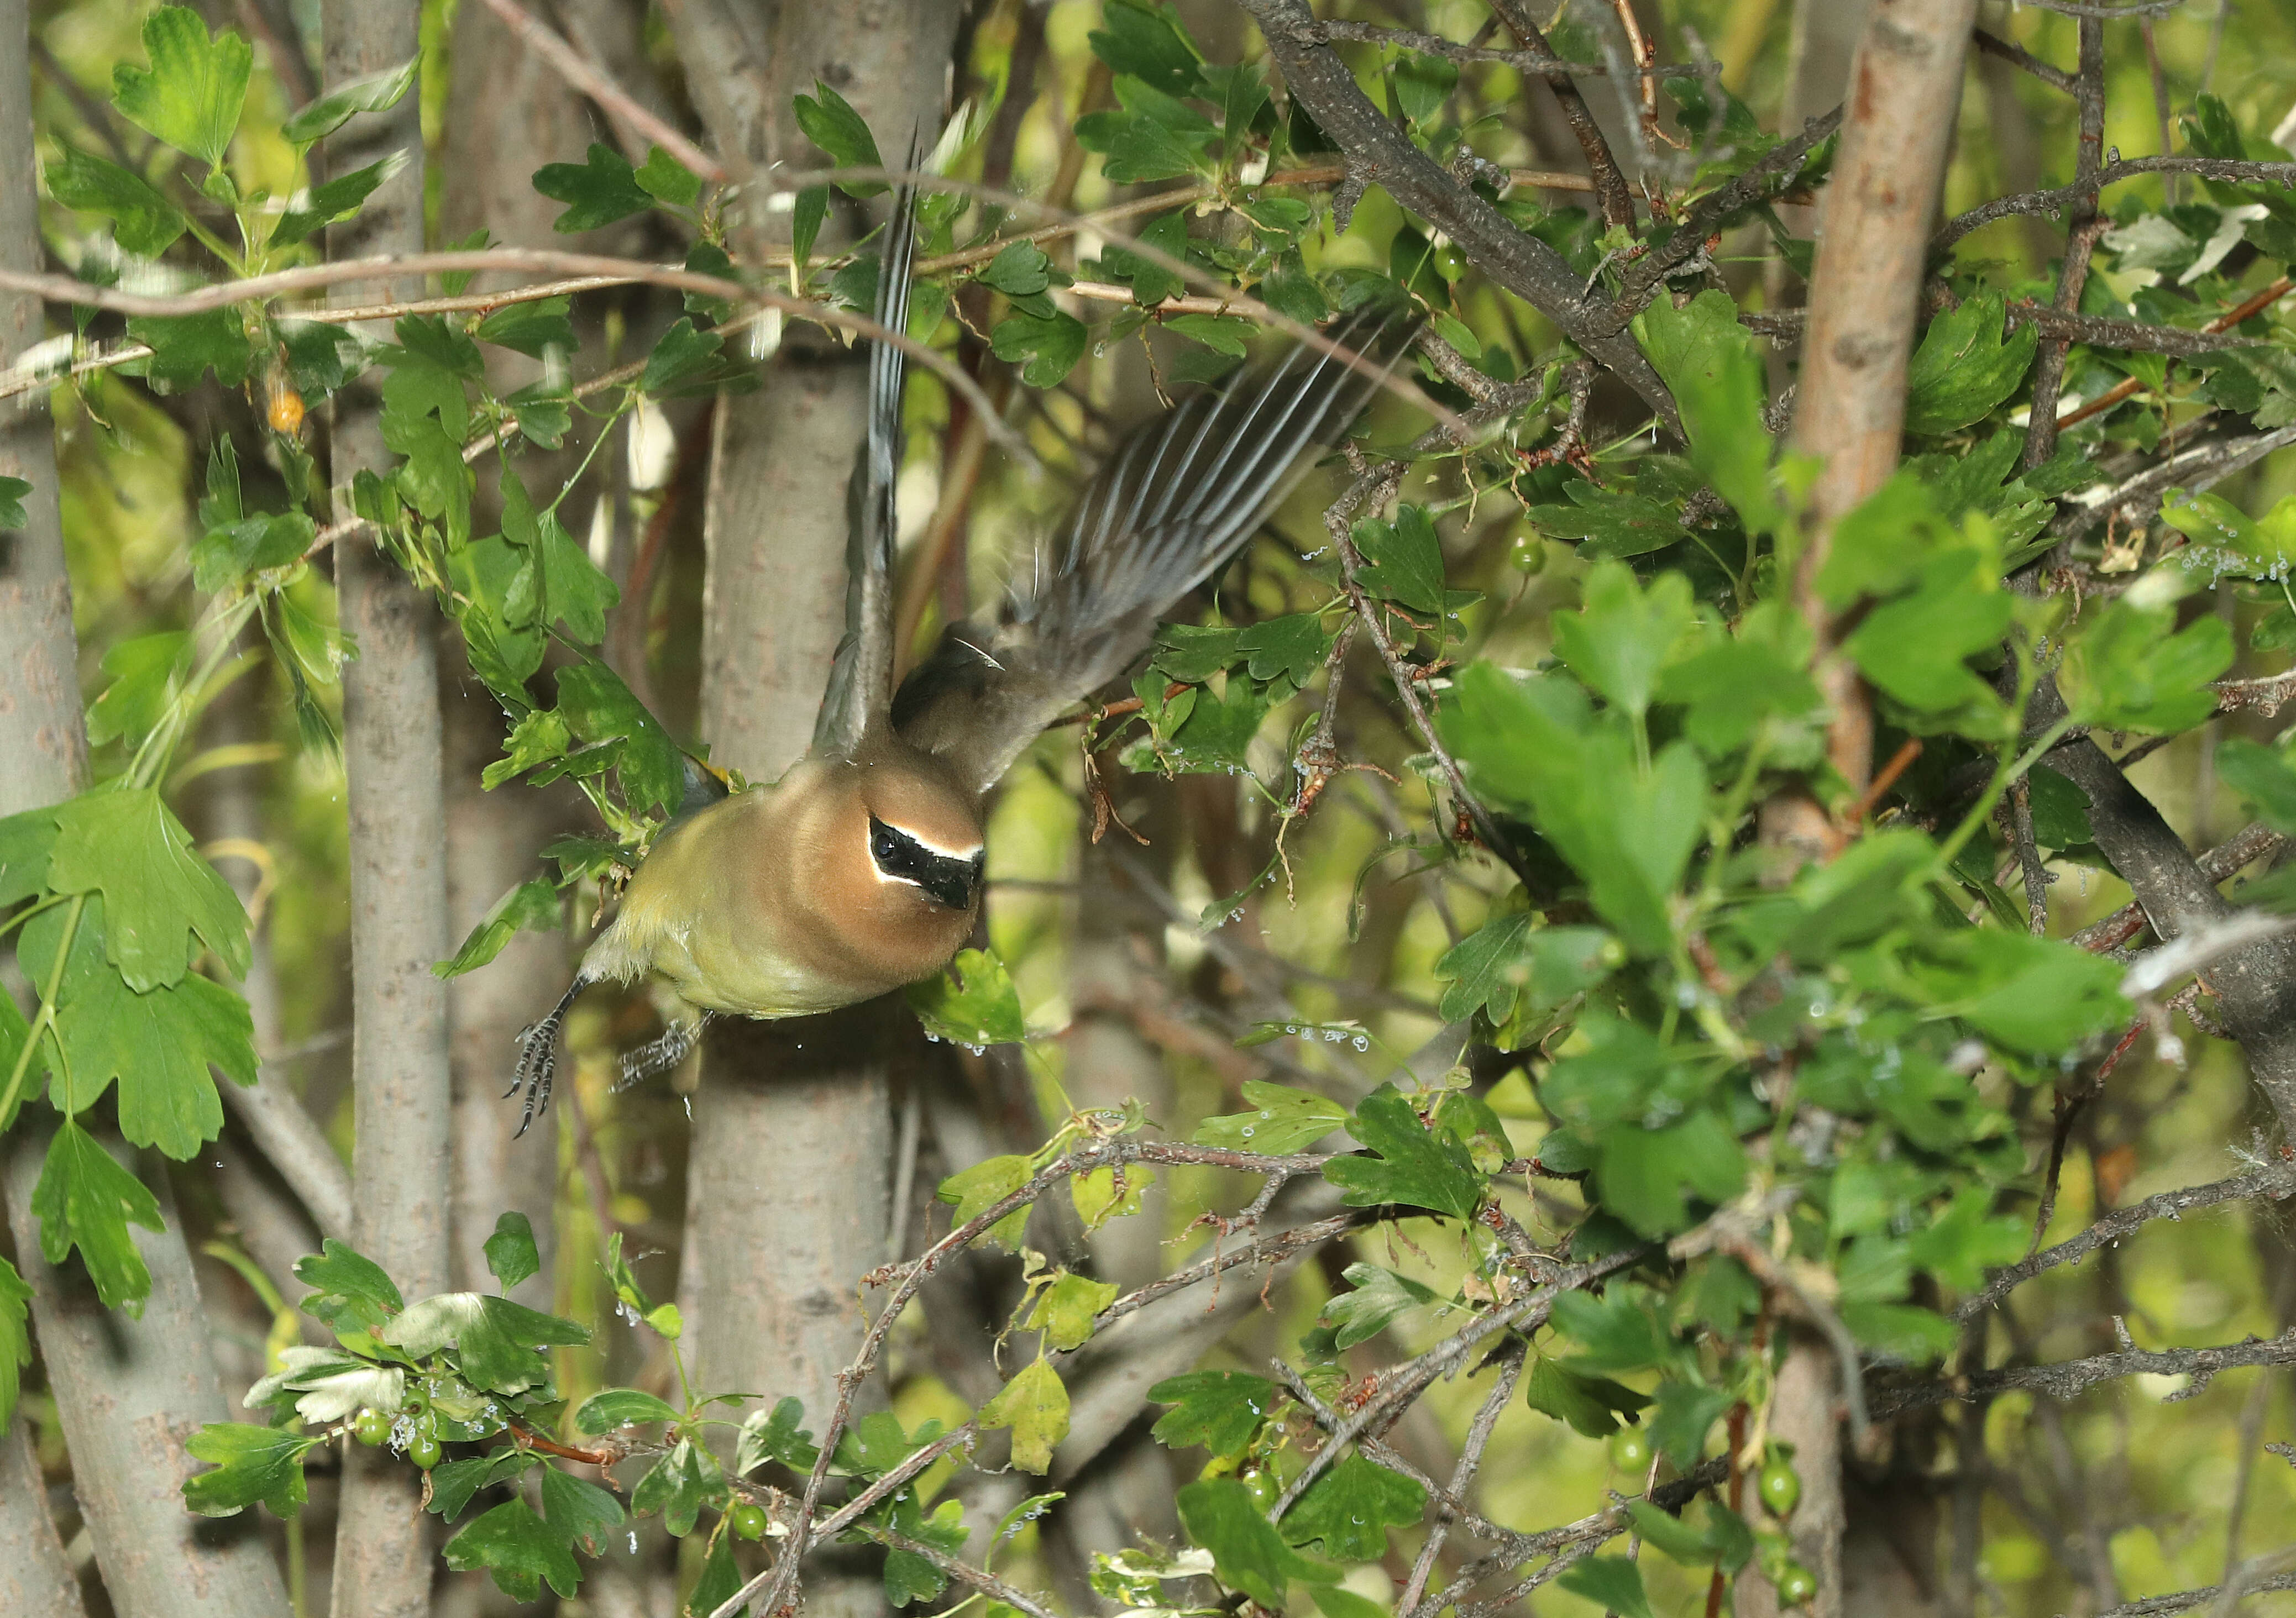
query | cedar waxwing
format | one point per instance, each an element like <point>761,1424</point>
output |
<point>859,870</point>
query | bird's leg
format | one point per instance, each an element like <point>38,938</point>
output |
<point>661,1053</point>
<point>537,1056</point>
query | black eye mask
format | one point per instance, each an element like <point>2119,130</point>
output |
<point>944,878</point>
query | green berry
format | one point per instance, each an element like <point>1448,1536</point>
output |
<point>1796,1585</point>
<point>1527,552</point>
<point>1630,1451</point>
<point>1780,1487</point>
<point>1263,1489</point>
<point>371,1428</point>
<point>1450,263</point>
<point>424,1450</point>
<point>749,1519</point>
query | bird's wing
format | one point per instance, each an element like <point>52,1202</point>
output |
<point>861,679</point>
<point>1177,497</point>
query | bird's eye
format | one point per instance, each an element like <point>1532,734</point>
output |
<point>884,844</point>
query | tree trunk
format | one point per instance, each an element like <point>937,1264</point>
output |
<point>402,1100</point>
<point>129,1390</point>
<point>789,1172</point>
<point>36,1578</point>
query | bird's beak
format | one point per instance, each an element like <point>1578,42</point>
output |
<point>953,882</point>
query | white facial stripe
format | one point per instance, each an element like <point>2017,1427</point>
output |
<point>969,851</point>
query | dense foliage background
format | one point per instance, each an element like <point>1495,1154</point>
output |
<point>1481,994</point>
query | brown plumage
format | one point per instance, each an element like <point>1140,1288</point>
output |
<point>859,870</point>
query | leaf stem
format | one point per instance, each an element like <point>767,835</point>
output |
<point>45,1017</point>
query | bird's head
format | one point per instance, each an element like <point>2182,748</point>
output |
<point>923,834</point>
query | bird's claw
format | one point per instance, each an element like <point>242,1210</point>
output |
<point>538,1059</point>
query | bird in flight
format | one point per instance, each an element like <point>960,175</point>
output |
<point>859,870</point>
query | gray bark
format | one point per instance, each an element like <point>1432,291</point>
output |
<point>36,1578</point>
<point>129,1391</point>
<point>402,1102</point>
<point>789,1173</point>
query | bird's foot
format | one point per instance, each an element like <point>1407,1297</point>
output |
<point>537,1058</point>
<point>660,1053</point>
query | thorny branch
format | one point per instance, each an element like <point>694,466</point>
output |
<point>2070,1378</point>
<point>2275,1180</point>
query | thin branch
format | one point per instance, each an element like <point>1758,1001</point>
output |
<point>2070,1378</point>
<point>2128,336</point>
<point>1739,1235</point>
<point>2235,170</point>
<point>1533,61</point>
<point>1463,1476</point>
<point>2273,1181</point>
<point>2195,950</point>
<point>2202,467</point>
<point>2252,843</point>
<point>2127,385</point>
<point>2028,857</point>
<point>585,75</point>
<point>2080,244</point>
<point>2209,1596</point>
<point>1617,201</point>
<point>2106,13</point>
<point>2017,55</point>
<point>980,1578</point>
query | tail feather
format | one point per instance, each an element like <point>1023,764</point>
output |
<point>1173,502</point>
<point>860,679</point>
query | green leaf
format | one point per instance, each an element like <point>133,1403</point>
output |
<point>349,1288</point>
<point>1624,635</point>
<point>1591,1405</point>
<point>1280,1120</point>
<point>12,491</point>
<point>973,1003</point>
<point>1917,647</point>
<point>87,1200</point>
<point>1644,1172</point>
<point>1291,648</point>
<point>1149,42</point>
<point>1114,1192</point>
<point>545,412</point>
<point>1613,522</point>
<point>1021,269</point>
<point>1619,1331</point>
<point>1611,1583</point>
<point>620,1407</point>
<point>681,355</point>
<point>434,479</point>
<point>326,1385</point>
<point>454,1482</point>
<point>1221,333</point>
<point>518,1548</point>
<point>532,329</point>
<point>159,1043</point>
<point>533,905</point>
<point>1413,1167</point>
<point>1247,1554</point>
<point>511,1256</point>
<point>2124,669</point>
<point>158,894</point>
<point>979,1187</point>
<point>1216,737</point>
<point>598,707</point>
<point>1380,1298</point>
<point>776,1436</point>
<point>143,222</point>
<point>559,582</point>
<point>2040,995</point>
<point>1964,369</point>
<point>1148,136</point>
<point>1150,282</point>
<point>1219,1409</point>
<point>251,1464</point>
<point>2261,775</point>
<point>597,191</point>
<point>1351,1508</point>
<point>1064,1310</point>
<point>667,180</point>
<point>16,1335</point>
<point>375,92</point>
<point>1036,1406</point>
<point>13,1032</point>
<point>1707,359</point>
<point>230,555</point>
<point>1405,560</point>
<point>1687,1413</point>
<point>142,686</point>
<point>338,199</point>
<point>720,1579</point>
<point>831,123</point>
<point>577,1510</point>
<point>1047,350</point>
<point>1422,85</point>
<point>1966,1240</point>
<point>185,347</point>
<point>499,1345</point>
<point>1901,1332</point>
<point>1513,966</point>
<point>191,95</point>
<point>910,1577</point>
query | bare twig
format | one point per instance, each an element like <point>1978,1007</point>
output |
<point>1463,1475</point>
<point>2080,243</point>
<point>980,1578</point>
<point>2273,1181</point>
<point>1610,184</point>
<point>2129,336</point>
<point>2209,1596</point>
<point>2238,171</point>
<point>2202,467</point>
<point>2028,857</point>
<point>2017,55</point>
<point>585,75</point>
<point>1534,61</point>
<point>2070,1378</point>
<point>1739,1233</point>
